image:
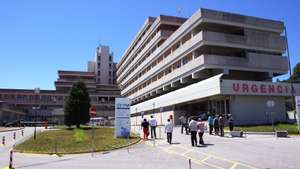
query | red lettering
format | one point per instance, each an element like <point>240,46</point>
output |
<point>245,88</point>
<point>254,88</point>
<point>263,88</point>
<point>236,87</point>
<point>271,89</point>
<point>279,89</point>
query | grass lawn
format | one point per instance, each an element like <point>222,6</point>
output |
<point>64,141</point>
<point>291,128</point>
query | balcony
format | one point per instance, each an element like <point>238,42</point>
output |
<point>252,40</point>
<point>252,62</point>
<point>159,35</point>
<point>249,21</point>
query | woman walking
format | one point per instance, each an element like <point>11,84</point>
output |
<point>201,129</point>
<point>145,125</point>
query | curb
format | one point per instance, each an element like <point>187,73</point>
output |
<point>83,152</point>
<point>21,128</point>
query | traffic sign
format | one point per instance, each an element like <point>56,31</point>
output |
<point>270,103</point>
<point>93,111</point>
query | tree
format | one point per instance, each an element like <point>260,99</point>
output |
<point>296,74</point>
<point>77,105</point>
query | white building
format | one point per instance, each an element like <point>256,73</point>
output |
<point>214,62</point>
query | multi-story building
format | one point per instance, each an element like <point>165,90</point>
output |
<point>213,62</point>
<point>48,104</point>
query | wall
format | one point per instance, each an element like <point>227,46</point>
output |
<point>250,110</point>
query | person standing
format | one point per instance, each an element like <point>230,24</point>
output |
<point>230,122</point>
<point>210,123</point>
<point>145,125</point>
<point>201,129</point>
<point>221,125</point>
<point>153,124</point>
<point>216,125</point>
<point>183,122</point>
<point>169,131</point>
<point>193,129</point>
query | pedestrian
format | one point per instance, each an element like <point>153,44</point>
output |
<point>145,125</point>
<point>216,125</point>
<point>221,125</point>
<point>183,122</point>
<point>153,124</point>
<point>169,131</point>
<point>201,128</point>
<point>210,123</point>
<point>193,129</point>
<point>230,122</point>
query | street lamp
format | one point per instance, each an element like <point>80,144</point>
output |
<point>153,104</point>
<point>36,92</point>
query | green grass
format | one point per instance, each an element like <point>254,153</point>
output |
<point>291,128</point>
<point>65,141</point>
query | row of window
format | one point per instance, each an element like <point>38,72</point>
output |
<point>174,66</point>
<point>158,60</point>
<point>163,73</point>
<point>134,45</point>
<point>48,98</point>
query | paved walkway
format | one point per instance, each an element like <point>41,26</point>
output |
<point>254,151</point>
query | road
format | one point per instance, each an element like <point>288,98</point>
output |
<point>254,151</point>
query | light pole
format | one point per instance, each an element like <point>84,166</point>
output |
<point>36,92</point>
<point>153,104</point>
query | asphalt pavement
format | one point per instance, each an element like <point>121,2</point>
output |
<point>252,151</point>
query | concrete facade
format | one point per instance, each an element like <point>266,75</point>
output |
<point>178,63</point>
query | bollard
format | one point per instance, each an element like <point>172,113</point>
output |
<point>11,160</point>
<point>3,140</point>
<point>22,133</point>
<point>190,164</point>
<point>14,136</point>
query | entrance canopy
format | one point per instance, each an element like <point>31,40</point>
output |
<point>216,86</point>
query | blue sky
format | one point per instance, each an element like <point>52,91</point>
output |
<point>39,37</point>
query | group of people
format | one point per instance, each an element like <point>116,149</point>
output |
<point>145,125</point>
<point>153,124</point>
<point>217,123</point>
<point>194,126</point>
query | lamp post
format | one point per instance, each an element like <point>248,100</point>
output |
<point>36,92</point>
<point>153,104</point>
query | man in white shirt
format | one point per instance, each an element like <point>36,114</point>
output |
<point>193,128</point>
<point>153,124</point>
<point>169,130</point>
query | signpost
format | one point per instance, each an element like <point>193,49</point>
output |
<point>122,117</point>
<point>271,104</point>
<point>93,113</point>
<point>298,111</point>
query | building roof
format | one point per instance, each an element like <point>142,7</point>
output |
<point>75,73</point>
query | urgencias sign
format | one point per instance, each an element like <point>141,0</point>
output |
<point>255,88</point>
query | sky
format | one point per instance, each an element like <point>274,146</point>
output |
<point>37,38</point>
